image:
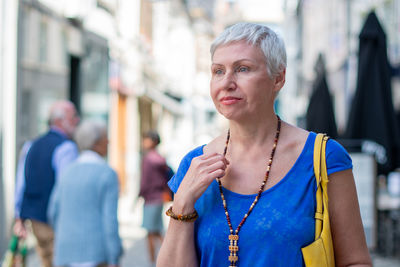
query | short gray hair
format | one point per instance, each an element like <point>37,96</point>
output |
<point>58,110</point>
<point>258,35</point>
<point>89,132</point>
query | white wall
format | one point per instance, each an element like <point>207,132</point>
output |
<point>8,60</point>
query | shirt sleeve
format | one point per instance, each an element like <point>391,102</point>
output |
<point>337,158</point>
<point>63,155</point>
<point>176,180</point>
<point>20,178</point>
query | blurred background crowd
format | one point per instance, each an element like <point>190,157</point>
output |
<point>142,65</point>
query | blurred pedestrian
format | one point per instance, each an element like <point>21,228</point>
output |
<point>83,207</point>
<point>39,166</point>
<point>153,185</point>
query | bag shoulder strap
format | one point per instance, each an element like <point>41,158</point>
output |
<point>321,177</point>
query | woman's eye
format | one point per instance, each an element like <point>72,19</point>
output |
<point>218,71</point>
<point>243,69</point>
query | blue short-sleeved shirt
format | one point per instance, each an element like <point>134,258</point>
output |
<point>280,224</point>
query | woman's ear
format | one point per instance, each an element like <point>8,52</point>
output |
<point>280,80</point>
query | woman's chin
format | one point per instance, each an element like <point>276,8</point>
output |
<point>233,116</point>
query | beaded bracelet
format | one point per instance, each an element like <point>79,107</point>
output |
<point>184,218</point>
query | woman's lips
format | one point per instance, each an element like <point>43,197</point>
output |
<point>229,100</point>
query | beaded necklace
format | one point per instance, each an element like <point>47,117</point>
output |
<point>234,235</point>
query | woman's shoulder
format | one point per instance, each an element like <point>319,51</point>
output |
<point>211,147</point>
<point>195,152</point>
<point>337,157</point>
<point>184,165</point>
<point>293,138</point>
<point>297,140</point>
<point>294,131</point>
<point>187,159</point>
<point>216,145</point>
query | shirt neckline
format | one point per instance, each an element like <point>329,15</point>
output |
<point>278,184</point>
<point>89,156</point>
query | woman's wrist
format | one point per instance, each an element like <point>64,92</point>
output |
<point>181,206</point>
<point>190,217</point>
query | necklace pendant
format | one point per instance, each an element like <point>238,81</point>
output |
<point>233,237</point>
<point>233,249</point>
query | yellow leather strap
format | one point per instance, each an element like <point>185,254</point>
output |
<point>319,216</point>
<point>321,177</point>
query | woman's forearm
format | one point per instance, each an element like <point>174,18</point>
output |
<point>178,249</point>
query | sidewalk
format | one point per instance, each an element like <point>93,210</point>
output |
<point>135,244</point>
<point>134,237</point>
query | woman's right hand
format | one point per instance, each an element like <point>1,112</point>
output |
<point>202,171</point>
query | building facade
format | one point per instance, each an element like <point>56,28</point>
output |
<point>45,56</point>
<point>57,59</point>
<point>332,29</point>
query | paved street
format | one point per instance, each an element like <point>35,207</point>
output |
<point>134,242</point>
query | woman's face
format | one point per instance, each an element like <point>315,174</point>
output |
<point>240,85</point>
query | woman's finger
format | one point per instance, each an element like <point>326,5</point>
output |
<point>212,159</point>
<point>219,173</point>
<point>216,165</point>
<point>207,156</point>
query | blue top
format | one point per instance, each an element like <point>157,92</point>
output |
<point>280,224</point>
<point>83,212</point>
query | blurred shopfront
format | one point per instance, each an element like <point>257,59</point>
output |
<point>55,58</point>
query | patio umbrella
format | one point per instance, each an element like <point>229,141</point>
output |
<point>320,115</point>
<point>372,115</point>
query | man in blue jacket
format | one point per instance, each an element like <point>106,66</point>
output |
<point>38,169</point>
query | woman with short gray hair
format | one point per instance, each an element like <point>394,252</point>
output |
<point>84,205</point>
<point>245,199</point>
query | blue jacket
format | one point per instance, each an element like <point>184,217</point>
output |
<point>83,212</point>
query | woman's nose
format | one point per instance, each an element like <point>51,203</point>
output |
<point>229,81</point>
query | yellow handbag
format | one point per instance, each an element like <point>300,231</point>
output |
<point>320,252</point>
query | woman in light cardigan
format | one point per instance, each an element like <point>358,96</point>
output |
<point>83,208</point>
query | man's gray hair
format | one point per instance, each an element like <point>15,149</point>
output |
<point>89,132</point>
<point>258,35</point>
<point>58,110</point>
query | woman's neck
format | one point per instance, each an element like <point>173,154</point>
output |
<point>253,134</point>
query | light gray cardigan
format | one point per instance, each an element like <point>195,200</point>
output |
<point>83,212</point>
